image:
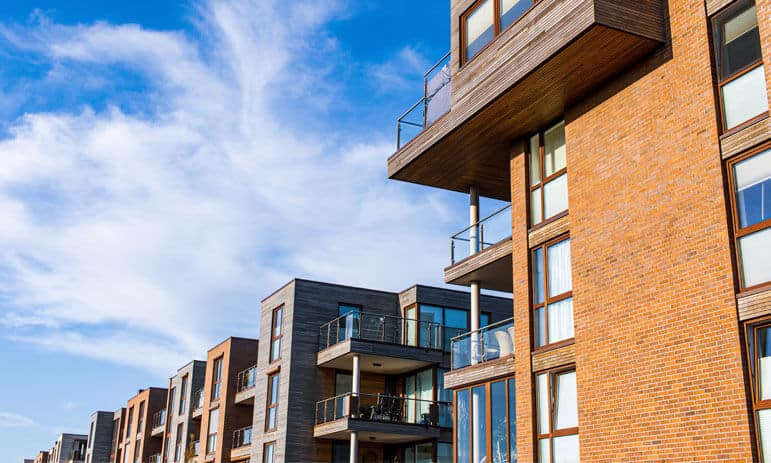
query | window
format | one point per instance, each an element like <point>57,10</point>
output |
<point>434,327</point>
<point>167,453</point>
<point>182,396</point>
<point>91,436</point>
<point>557,417</point>
<point>547,160</point>
<point>751,184</point>
<point>349,319</point>
<point>485,20</point>
<point>419,453</point>
<point>268,453</point>
<point>170,409</point>
<point>126,451</point>
<point>759,351</point>
<point>552,293</point>
<point>419,391</point>
<point>211,436</point>
<point>272,409</point>
<point>216,379</point>
<point>141,419</point>
<point>129,421</point>
<point>444,397</point>
<point>741,78</point>
<point>486,434</point>
<point>178,447</point>
<point>276,333</point>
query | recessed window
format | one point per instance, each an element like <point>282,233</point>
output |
<point>141,419</point>
<point>741,77</point>
<point>182,396</point>
<point>178,446</point>
<point>486,433</point>
<point>211,435</point>
<point>751,182</point>
<point>271,413</point>
<point>276,334</point>
<point>216,379</point>
<point>552,293</point>
<point>759,343</point>
<point>548,174</point>
<point>557,417</point>
<point>485,20</point>
<point>268,452</point>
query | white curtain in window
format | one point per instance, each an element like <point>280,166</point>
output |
<point>764,378</point>
<point>479,21</point>
<point>755,251</point>
<point>566,413</point>
<point>544,451</point>
<point>764,431</point>
<point>566,449</point>
<point>561,320</point>
<point>555,156</point>
<point>555,196</point>
<point>542,385</point>
<point>560,275</point>
<point>745,97</point>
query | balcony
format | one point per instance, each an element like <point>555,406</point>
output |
<point>197,403</point>
<point>159,423</point>
<point>242,441</point>
<point>385,344</point>
<point>482,252</point>
<point>434,104</point>
<point>482,354</point>
<point>246,382</point>
<point>381,418</point>
<point>555,54</point>
<point>155,458</point>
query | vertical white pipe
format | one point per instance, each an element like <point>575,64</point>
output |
<point>476,345</point>
<point>474,219</point>
<point>354,447</point>
<point>355,384</point>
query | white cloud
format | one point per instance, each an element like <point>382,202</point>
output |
<point>144,238</point>
<point>12,420</point>
<point>401,71</point>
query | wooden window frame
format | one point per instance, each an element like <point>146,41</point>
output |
<point>265,453</point>
<point>717,56</point>
<point>416,307</point>
<point>552,373</point>
<point>209,434</point>
<point>216,383</point>
<point>183,387</point>
<point>273,337</point>
<point>268,404</point>
<point>546,299</point>
<point>739,232</point>
<point>497,31</point>
<point>544,180</point>
<point>750,339</point>
<point>488,417</point>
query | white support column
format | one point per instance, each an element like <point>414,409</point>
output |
<point>354,447</point>
<point>474,220</point>
<point>475,246</point>
<point>355,384</point>
<point>476,345</point>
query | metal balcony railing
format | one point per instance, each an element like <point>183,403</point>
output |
<point>198,399</point>
<point>490,230</point>
<point>154,458</point>
<point>159,419</point>
<point>196,447</point>
<point>242,437</point>
<point>488,343</point>
<point>387,329</point>
<point>434,104</point>
<point>247,379</point>
<point>384,408</point>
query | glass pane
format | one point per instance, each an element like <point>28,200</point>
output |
<point>430,320</point>
<point>740,45</point>
<point>535,207</point>
<point>555,196</point>
<point>764,434</point>
<point>479,28</point>
<point>540,327</point>
<point>535,160</point>
<point>764,364</point>
<point>499,432</point>
<point>560,274</point>
<point>269,449</point>
<point>544,451</point>
<point>274,381</point>
<point>484,320</point>
<point>277,322</point>
<point>512,422</point>
<point>463,424</point>
<point>538,276</point>
<point>753,189</point>
<point>411,326</point>
<point>542,386</point>
<point>755,254</point>
<point>272,418</point>
<point>424,453</point>
<point>745,97</point>
<point>454,318</point>
<point>561,320</point>
<point>554,156</point>
<point>443,452</point>
<point>566,407</point>
<point>511,10</point>
<point>566,449</point>
<point>214,418</point>
<point>275,349</point>
<point>479,430</point>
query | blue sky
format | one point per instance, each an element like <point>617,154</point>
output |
<point>166,165</point>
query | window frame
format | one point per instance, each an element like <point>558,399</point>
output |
<point>216,378</point>
<point>738,231</point>
<point>209,434</point>
<point>273,337</point>
<point>265,452</point>
<point>551,373</point>
<point>546,299</point>
<point>717,56</point>
<point>497,31</point>
<point>268,404</point>
<point>543,179</point>
<point>751,348</point>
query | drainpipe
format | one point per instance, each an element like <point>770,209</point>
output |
<point>475,289</point>
<point>354,402</point>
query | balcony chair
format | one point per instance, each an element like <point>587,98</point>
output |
<point>505,346</point>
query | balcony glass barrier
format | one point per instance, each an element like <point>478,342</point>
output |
<point>489,343</point>
<point>155,458</point>
<point>434,104</point>
<point>384,408</point>
<point>196,447</point>
<point>159,418</point>
<point>247,379</point>
<point>489,231</point>
<point>198,399</point>
<point>387,329</point>
<point>242,437</point>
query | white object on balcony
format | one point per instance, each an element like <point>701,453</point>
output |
<point>504,343</point>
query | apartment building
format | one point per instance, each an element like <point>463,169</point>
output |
<point>630,141</point>
<point>138,443</point>
<point>175,423</point>
<point>118,436</point>
<point>68,448</point>
<point>349,373</point>
<point>42,457</point>
<point>100,435</point>
<point>222,417</point>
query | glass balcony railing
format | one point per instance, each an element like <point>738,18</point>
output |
<point>242,437</point>
<point>434,104</point>
<point>196,447</point>
<point>247,379</point>
<point>159,418</point>
<point>489,343</point>
<point>489,231</point>
<point>387,329</point>
<point>384,408</point>
<point>155,458</point>
<point>198,399</point>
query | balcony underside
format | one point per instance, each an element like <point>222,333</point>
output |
<point>491,268</point>
<point>472,374</point>
<point>378,357</point>
<point>157,431</point>
<point>197,413</point>
<point>245,397</point>
<point>554,56</point>
<point>241,453</point>
<point>375,431</point>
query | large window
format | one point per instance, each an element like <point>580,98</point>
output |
<point>183,395</point>
<point>178,446</point>
<point>557,417</point>
<point>141,419</point>
<point>547,160</point>
<point>741,78</point>
<point>170,409</point>
<point>751,183</point>
<point>552,293</point>
<point>276,333</point>
<point>271,413</point>
<point>348,321</point>
<point>485,20</point>
<point>268,452</point>
<point>759,343</point>
<point>419,390</point>
<point>486,423</point>
<point>216,379</point>
<point>211,435</point>
<point>434,327</point>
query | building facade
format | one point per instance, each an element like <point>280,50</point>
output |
<point>139,442</point>
<point>630,140</point>
<point>100,434</point>
<point>175,423</point>
<point>68,448</point>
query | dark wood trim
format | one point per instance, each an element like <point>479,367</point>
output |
<point>270,405</point>
<point>273,336</point>
<point>551,376</point>
<point>743,125</point>
<point>547,301</point>
<point>497,31</point>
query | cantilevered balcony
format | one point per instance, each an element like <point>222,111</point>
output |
<point>242,441</point>
<point>553,55</point>
<point>381,418</point>
<point>482,354</point>
<point>385,344</point>
<point>197,403</point>
<point>482,252</point>
<point>159,423</point>
<point>245,386</point>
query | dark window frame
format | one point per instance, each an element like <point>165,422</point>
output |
<point>544,247</point>
<point>273,355</point>
<point>552,374</point>
<point>268,404</point>
<point>265,451</point>
<point>216,386</point>
<point>183,387</point>
<point>497,31</point>
<point>507,381</point>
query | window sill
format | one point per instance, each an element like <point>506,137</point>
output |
<point>554,346</point>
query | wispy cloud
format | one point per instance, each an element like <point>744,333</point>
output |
<point>126,236</point>
<point>401,70</point>
<point>12,420</point>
